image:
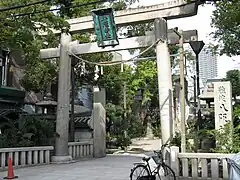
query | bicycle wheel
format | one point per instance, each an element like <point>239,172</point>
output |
<point>140,172</point>
<point>166,173</point>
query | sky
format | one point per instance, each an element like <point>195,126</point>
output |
<point>200,22</point>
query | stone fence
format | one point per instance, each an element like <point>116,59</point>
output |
<point>25,156</point>
<point>80,149</point>
<point>29,156</point>
<point>198,165</point>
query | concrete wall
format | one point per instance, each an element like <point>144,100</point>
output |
<point>99,95</point>
<point>82,134</point>
<point>99,133</point>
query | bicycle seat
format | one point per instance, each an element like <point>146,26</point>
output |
<point>146,159</point>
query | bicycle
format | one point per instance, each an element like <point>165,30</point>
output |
<point>161,169</point>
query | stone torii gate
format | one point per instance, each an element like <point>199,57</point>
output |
<point>170,10</point>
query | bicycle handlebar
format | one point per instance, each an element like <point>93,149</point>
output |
<point>164,145</point>
<point>162,148</point>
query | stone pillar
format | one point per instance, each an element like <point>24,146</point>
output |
<point>174,163</point>
<point>164,80</point>
<point>62,123</point>
<point>222,103</point>
<point>223,111</point>
<point>99,95</point>
<point>99,130</point>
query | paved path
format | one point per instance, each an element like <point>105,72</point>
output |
<point>146,144</point>
<point>108,168</point>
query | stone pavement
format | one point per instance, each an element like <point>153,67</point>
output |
<point>114,167</point>
<point>146,144</point>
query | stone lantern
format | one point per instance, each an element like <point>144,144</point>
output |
<point>48,104</point>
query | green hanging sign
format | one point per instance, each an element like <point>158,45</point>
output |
<point>105,27</point>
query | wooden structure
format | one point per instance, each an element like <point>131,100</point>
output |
<point>11,102</point>
<point>11,98</point>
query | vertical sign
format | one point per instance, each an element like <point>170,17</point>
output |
<point>222,103</point>
<point>105,27</point>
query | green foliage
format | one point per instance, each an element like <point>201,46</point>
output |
<point>115,116</point>
<point>176,141</point>
<point>19,33</point>
<point>227,138</point>
<point>122,141</point>
<point>226,21</point>
<point>113,80</point>
<point>136,127</point>
<point>190,147</point>
<point>145,78</point>
<point>115,124</point>
<point>208,119</point>
<point>29,131</point>
<point>234,77</point>
<point>236,115</point>
<point>38,75</point>
<point>118,125</point>
<point>156,128</point>
<point>223,139</point>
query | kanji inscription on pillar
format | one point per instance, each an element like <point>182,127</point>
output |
<point>222,103</point>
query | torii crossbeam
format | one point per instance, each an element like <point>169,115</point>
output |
<point>128,43</point>
<point>169,10</point>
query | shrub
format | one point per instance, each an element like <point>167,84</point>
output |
<point>136,127</point>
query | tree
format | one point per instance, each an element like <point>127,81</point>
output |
<point>113,80</point>
<point>20,33</point>
<point>226,21</point>
<point>234,77</point>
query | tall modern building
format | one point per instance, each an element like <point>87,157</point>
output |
<point>208,66</point>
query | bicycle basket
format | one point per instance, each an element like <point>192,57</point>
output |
<point>147,178</point>
<point>157,159</point>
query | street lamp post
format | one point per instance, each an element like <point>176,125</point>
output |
<point>197,47</point>
<point>194,94</point>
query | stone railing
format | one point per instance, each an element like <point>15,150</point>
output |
<point>199,165</point>
<point>81,149</point>
<point>25,156</point>
<point>29,156</point>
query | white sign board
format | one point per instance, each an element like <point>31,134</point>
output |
<point>222,103</point>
